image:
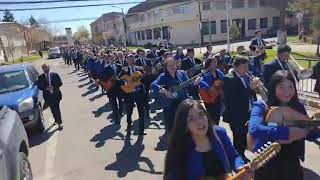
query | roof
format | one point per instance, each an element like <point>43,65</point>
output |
<point>14,67</point>
<point>107,17</point>
<point>149,4</point>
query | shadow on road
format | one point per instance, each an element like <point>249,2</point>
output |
<point>129,157</point>
<point>72,72</point>
<point>103,109</point>
<point>37,139</point>
<point>108,132</point>
<point>91,91</point>
<point>83,79</point>
<point>97,96</point>
<point>310,175</point>
<point>83,85</point>
<point>162,145</point>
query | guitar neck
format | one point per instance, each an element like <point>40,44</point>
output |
<point>186,83</point>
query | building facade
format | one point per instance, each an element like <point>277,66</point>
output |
<point>12,41</point>
<point>185,22</point>
<point>108,29</point>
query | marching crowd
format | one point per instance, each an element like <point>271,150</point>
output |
<point>198,148</point>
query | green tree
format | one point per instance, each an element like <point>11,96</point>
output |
<point>234,31</point>
<point>7,16</point>
<point>33,22</point>
<point>82,34</point>
<point>298,6</point>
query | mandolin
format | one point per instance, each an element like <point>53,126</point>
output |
<point>263,155</point>
<point>212,95</point>
<point>131,82</point>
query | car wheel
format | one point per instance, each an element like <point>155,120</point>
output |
<point>24,171</point>
<point>40,125</point>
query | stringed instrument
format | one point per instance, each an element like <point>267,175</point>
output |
<point>212,95</point>
<point>263,155</point>
<point>131,82</point>
<point>287,117</point>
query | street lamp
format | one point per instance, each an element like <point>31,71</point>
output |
<point>124,24</point>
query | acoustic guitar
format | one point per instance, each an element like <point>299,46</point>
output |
<point>264,154</point>
<point>131,82</point>
<point>287,117</point>
<point>212,95</point>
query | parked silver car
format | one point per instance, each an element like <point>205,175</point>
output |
<point>54,53</point>
<point>14,163</point>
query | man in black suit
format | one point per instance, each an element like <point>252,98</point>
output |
<point>188,63</point>
<point>208,53</point>
<point>121,59</point>
<point>115,94</point>
<point>239,95</point>
<point>280,63</point>
<point>50,83</point>
<point>137,96</point>
<point>153,53</point>
<point>146,64</point>
<point>257,41</point>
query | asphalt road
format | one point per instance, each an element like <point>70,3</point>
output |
<point>91,147</point>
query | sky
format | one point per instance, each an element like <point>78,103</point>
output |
<point>62,14</point>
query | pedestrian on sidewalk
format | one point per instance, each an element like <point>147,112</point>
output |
<point>50,83</point>
<point>40,53</point>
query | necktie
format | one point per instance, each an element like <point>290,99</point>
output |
<point>143,62</point>
<point>132,70</point>
<point>193,62</point>
<point>48,79</point>
<point>114,68</point>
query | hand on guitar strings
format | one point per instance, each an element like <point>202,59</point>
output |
<point>166,92</point>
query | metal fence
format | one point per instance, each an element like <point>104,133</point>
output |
<point>307,85</point>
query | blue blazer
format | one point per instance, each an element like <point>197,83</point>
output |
<point>262,133</point>
<point>229,157</point>
<point>167,81</point>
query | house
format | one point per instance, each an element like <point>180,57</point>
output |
<point>108,29</point>
<point>59,40</point>
<point>12,41</point>
<point>185,22</point>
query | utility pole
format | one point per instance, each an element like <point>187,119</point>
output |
<point>124,25</point>
<point>228,25</point>
<point>200,20</point>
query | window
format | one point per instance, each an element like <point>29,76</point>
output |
<point>149,15</point>
<point>143,37</point>
<point>141,18</point>
<point>157,33</point>
<point>208,28</point>
<point>138,35</point>
<point>252,3</point>
<point>32,75</point>
<point>223,26</point>
<point>178,10</point>
<point>220,5</point>
<point>156,14</point>
<point>206,5</point>
<point>263,3</point>
<point>166,32</point>
<point>213,27</point>
<point>205,28</point>
<point>252,24</point>
<point>149,34</point>
<point>237,3</point>
<point>263,22</point>
<point>276,22</point>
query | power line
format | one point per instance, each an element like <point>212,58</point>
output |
<point>45,2</point>
<point>66,7</point>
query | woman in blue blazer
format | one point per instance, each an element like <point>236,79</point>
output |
<point>286,165</point>
<point>197,149</point>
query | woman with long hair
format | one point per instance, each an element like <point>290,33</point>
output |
<point>197,150</point>
<point>161,88</point>
<point>282,93</point>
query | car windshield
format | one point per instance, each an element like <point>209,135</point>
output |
<point>55,50</point>
<point>13,81</point>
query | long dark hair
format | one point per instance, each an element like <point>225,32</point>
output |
<point>181,141</point>
<point>276,79</point>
